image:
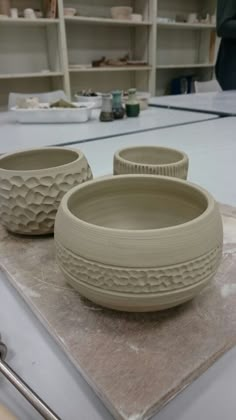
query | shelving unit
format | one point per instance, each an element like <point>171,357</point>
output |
<point>191,26</point>
<point>105,21</point>
<point>28,22</point>
<point>45,54</point>
<point>109,68</point>
<point>184,49</point>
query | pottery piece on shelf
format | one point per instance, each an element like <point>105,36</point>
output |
<point>121,13</point>
<point>213,19</point>
<point>138,242</point>
<point>32,184</point>
<point>135,17</point>
<point>69,11</point>
<point>192,18</point>
<point>151,160</point>
<point>29,14</point>
<point>14,13</point>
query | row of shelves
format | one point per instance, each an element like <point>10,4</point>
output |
<point>61,51</point>
<point>104,21</point>
<point>104,69</point>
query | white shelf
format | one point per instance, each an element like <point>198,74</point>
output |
<point>31,75</point>
<point>184,66</point>
<point>105,21</point>
<point>180,25</point>
<point>28,22</point>
<point>108,69</point>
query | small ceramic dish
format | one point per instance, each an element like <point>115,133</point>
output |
<point>32,184</point>
<point>121,13</point>
<point>151,160</point>
<point>138,242</point>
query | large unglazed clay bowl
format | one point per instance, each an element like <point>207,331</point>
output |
<point>32,184</point>
<point>151,160</point>
<point>138,242</point>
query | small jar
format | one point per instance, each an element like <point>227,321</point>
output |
<point>106,114</point>
<point>132,104</point>
<point>117,108</point>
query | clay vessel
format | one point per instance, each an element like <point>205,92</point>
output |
<point>151,160</point>
<point>138,242</point>
<point>32,184</point>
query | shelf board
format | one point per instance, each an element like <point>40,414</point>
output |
<point>183,66</point>
<point>108,69</point>
<point>105,21</point>
<point>180,25</point>
<point>30,75</point>
<point>29,22</point>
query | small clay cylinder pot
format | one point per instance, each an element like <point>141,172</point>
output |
<point>151,160</point>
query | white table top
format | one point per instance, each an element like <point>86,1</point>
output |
<point>21,136</point>
<point>211,147</point>
<point>221,103</point>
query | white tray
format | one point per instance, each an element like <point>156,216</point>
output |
<point>53,115</point>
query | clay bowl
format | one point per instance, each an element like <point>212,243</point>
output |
<point>121,13</point>
<point>32,184</point>
<point>151,160</point>
<point>138,242</point>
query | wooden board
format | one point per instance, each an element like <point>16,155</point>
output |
<point>134,362</point>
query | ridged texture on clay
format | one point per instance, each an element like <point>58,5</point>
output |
<point>29,206</point>
<point>126,280</point>
<point>177,169</point>
<point>134,266</point>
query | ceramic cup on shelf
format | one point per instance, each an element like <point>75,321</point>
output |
<point>136,17</point>
<point>69,11</point>
<point>213,19</point>
<point>29,14</point>
<point>14,13</point>
<point>192,18</point>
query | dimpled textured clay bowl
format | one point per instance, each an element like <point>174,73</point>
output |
<point>138,242</point>
<point>151,160</point>
<point>32,184</point>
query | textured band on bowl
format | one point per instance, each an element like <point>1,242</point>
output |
<point>151,160</point>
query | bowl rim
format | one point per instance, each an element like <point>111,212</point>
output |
<point>151,165</point>
<point>31,172</point>
<point>207,196</point>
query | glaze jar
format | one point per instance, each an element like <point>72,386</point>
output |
<point>117,107</point>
